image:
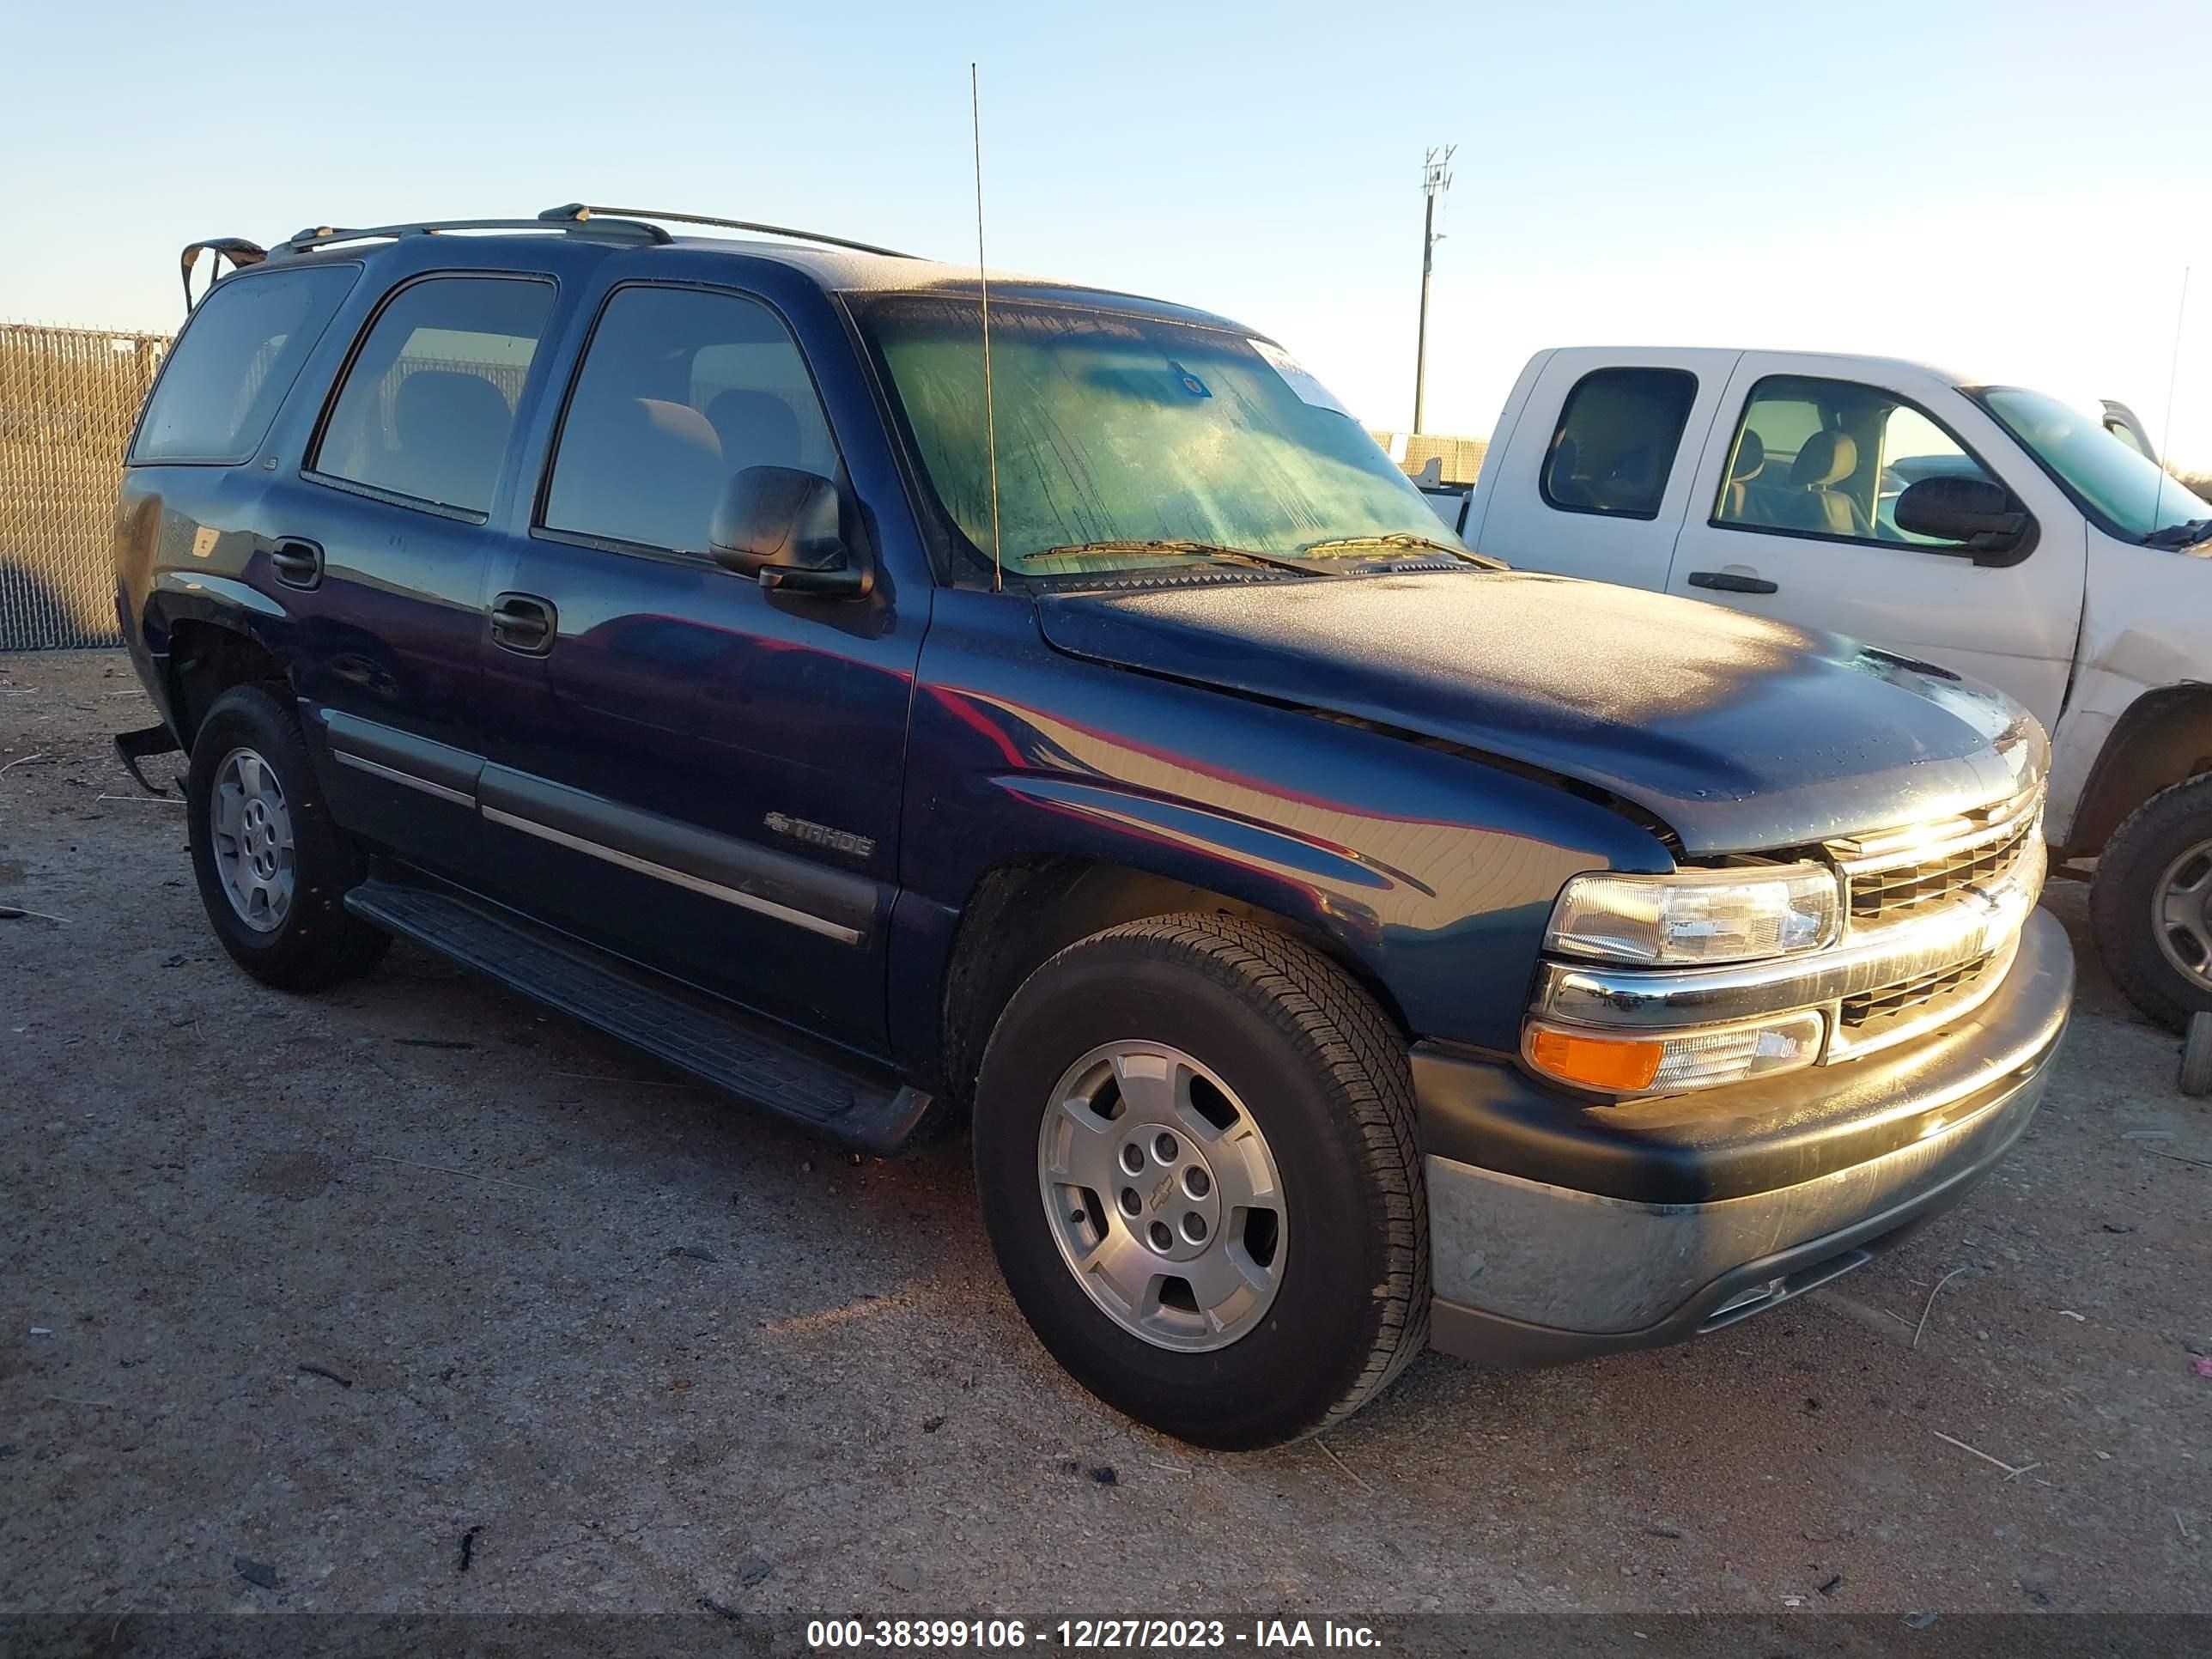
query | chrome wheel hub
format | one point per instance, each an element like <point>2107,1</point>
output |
<point>2182,913</point>
<point>251,830</point>
<point>1162,1195</point>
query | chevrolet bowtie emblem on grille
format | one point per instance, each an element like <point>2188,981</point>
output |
<point>821,835</point>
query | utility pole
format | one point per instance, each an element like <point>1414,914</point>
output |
<point>1435,180</point>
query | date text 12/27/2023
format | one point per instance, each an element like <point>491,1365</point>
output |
<point>1088,1635</point>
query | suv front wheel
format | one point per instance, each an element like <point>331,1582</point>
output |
<point>272,864</point>
<point>1195,1153</point>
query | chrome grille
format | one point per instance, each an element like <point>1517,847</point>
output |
<point>1909,871</point>
<point>1871,1006</point>
<point>1907,1008</point>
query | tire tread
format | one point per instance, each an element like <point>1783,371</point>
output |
<point>1319,1008</point>
<point>2122,932</point>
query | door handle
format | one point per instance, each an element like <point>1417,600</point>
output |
<point>297,562</point>
<point>524,623</point>
<point>1728,581</point>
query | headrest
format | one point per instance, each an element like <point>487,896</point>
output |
<point>1827,457</point>
<point>1750,457</point>
<point>436,405</point>
<point>685,424</point>
<point>757,427</point>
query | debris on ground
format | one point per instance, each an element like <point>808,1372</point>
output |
<point>468,1547</point>
<point>255,1572</point>
<point>931,1424</point>
<point>906,1576</point>
<point>307,1368</point>
<point>692,1252</point>
<point>1104,1475</point>
<point>714,1606</point>
<point>753,1569</point>
<point>1930,1308</point>
<point>2201,1365</point>
<point>1918,1620</point>
<point>1664,1532</point>
<point>1833,1585</point>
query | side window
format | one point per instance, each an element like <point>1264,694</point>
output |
<point>1830,458</point>
<point>1616,441</point>
<point>428,402</point>
<point>680,390</point>
<point>239,356</point>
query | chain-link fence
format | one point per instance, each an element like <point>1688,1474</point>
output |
<point>68,399</point>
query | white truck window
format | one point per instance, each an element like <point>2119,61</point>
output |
<point>1827,457</point>
<point>1616,440</point>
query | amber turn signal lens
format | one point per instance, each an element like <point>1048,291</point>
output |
<point>1595,1062</point>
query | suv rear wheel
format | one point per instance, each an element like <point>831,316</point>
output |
<point>273,867</point>
<point>1195,1153</point>
<point>2151,903</point>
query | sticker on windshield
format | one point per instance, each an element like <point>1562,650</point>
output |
<point>1190,382</point>
<point>1299,378</point>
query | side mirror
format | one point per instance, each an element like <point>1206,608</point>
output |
<point>783,526</point>
<point>1978,512</point>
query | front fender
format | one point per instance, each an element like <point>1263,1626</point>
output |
<point>1434,872</point>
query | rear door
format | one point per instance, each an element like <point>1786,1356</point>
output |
<point>688,768</point>
<point>1594,477</point>
<point>1795,518</point>
<point>381,547</point>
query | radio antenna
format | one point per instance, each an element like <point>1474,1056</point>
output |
<point>983,279</point>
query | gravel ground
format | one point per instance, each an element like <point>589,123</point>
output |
<point>412,1298</point>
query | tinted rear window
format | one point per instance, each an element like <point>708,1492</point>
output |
<point>235,361</point>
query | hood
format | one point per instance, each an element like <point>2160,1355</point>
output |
<point>1737,733</point>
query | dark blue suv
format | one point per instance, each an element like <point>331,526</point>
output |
<point>1083,734</point>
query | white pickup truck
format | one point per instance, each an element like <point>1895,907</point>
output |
<point>1984,528</point>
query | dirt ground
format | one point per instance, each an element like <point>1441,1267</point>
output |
<point>413,1299</point>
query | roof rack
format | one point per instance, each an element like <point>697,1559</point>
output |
<point>581,212</point>
<point>612,230</point>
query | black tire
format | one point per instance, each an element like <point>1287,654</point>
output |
<point>1325,1077</point>
<point>319,942</point>
<point>2197,1058</point>
<point>2123,900</point>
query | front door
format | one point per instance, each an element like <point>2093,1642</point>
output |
<point>690,769</point>
<point>1795,518</point>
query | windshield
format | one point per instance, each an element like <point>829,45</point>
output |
<point>2116,483</point>
<point>1129,431</point>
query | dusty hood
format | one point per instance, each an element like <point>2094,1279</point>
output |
<point>1738,733</point>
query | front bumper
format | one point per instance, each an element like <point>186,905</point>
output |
<point>1559,1229</point>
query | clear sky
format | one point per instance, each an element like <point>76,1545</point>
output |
<point>2011,189</point>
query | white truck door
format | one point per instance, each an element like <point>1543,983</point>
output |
<point>1794,517</point>
<point>1589,472</point>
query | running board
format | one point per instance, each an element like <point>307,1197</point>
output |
<point>845,1098</point>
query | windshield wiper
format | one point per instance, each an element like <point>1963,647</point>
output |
<point>2180,535</point>
<point>1187,549</point>
<point>1404,539</point>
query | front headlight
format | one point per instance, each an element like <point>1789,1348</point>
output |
<point>1698,916</point>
